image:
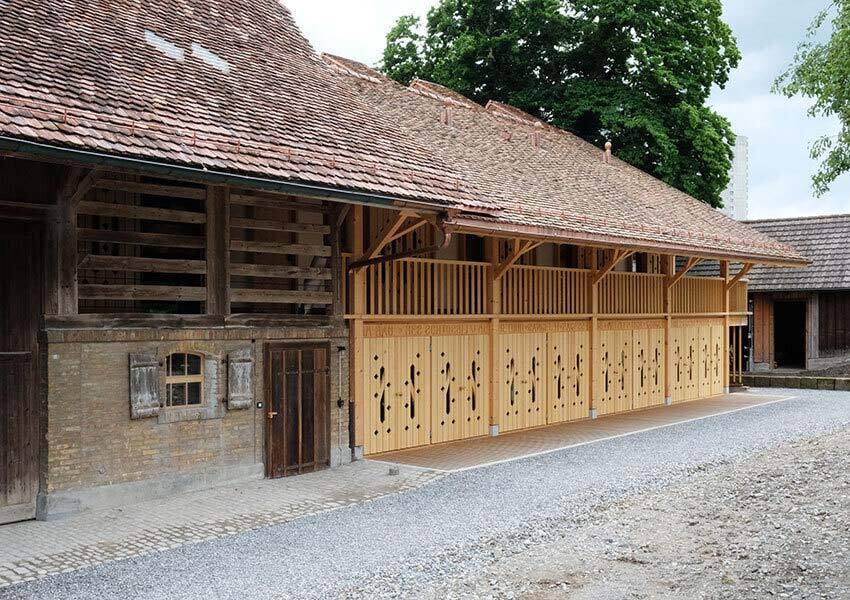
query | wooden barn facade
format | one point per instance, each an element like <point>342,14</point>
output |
<point>801,317</point>
<point>246,261</point>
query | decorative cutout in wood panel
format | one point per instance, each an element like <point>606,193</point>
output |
<point>697,359</point>
<point>524,390</point>
<point>460,375</point>
<point>397,411</point>
<point>615,376</point>
<point>568,376</point>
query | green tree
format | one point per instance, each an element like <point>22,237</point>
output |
<point>821,72</point>
<point>636,72</point>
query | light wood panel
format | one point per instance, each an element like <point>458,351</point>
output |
<point>569,391</point>
<point>523,400</point>
<point>459,387</point>
<point>397,393</point>
<point>697,358</point>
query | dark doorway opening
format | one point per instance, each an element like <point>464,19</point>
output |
<point>789,324</point>
<point>298,415</point>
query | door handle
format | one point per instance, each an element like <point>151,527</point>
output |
<point>272,414</point>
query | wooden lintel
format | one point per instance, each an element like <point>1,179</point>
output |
<point>386,234</point>
<point>690,264</point>
<point>520,247</point>
<point>619,255</point>
<point>743,273</point>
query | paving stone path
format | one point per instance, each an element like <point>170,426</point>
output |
<point>32,550</point>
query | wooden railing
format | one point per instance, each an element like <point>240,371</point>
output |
<point>418,286</point>
<point>631,293</point>
<point>428,287</point>
<point>694,295</point>
<point>545,291</point>
<point>738,298</point>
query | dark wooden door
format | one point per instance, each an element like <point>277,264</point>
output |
<point>297,411</point>
<point>21,273</point>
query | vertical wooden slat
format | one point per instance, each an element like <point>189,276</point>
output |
<point>218,251</point>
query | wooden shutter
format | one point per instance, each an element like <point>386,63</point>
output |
<point>240,379</point>
<point>144,386</point>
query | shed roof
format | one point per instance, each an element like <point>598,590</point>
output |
<point>551,183</point>
<point>222,85</point>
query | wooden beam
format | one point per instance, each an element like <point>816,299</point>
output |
<point>142,292</point>
<point>282,203</point>
<point>277,248</point>
<point>138,238</point>
<point>272,225</point>
<point>690,264</point>
<point>127,211</point>
<point>743,273</point>
<point>142,265</point>
<point>280,271</point>
<point>218,251</point>
<point>616,258</point>
<point>520,247</point>
<point>385,236</point>
<point>135,187</point>
<point>281,296</point>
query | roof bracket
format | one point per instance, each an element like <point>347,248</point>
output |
<point>743,273</point>
<point>619,255</point>
<point>519,248</point>
<point>690,264</point>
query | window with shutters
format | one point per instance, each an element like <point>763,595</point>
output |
<point>184,380</point>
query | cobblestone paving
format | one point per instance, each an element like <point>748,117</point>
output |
<point>33,549</point>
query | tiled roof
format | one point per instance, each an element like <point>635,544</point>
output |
<point>824,240</point>
<point>226,85</point>
<point>553,184</point>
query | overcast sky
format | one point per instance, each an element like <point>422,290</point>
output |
<point>779,130</point>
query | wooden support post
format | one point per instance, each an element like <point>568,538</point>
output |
<point>724,273</point>
<point>494,308</point>
<point>668,268</point>
<point>337,221</point>
<point>66,238</point>
<point>595,351</point>
<point>357,290</point>
<point>218,251</point>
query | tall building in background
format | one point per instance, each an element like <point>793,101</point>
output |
<point>736,196</point>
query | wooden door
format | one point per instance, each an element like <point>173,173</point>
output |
<point>525,381</point>
<point>21,272</point>
<point>459,402</point>
<point>297,410</point>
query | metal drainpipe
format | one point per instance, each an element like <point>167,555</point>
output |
<point>443,226</point>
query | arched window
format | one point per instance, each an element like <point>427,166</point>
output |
<point>184,381</point>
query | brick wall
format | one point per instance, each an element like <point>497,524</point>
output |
<point>91,440</point>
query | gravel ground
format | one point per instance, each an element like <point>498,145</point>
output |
<point>445,539</point>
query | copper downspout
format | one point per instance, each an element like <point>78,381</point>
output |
<point>443,226</point>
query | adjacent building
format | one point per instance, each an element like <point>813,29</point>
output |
<point>736,195</point>
<point>223,257</point>
<point>801,317</point>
